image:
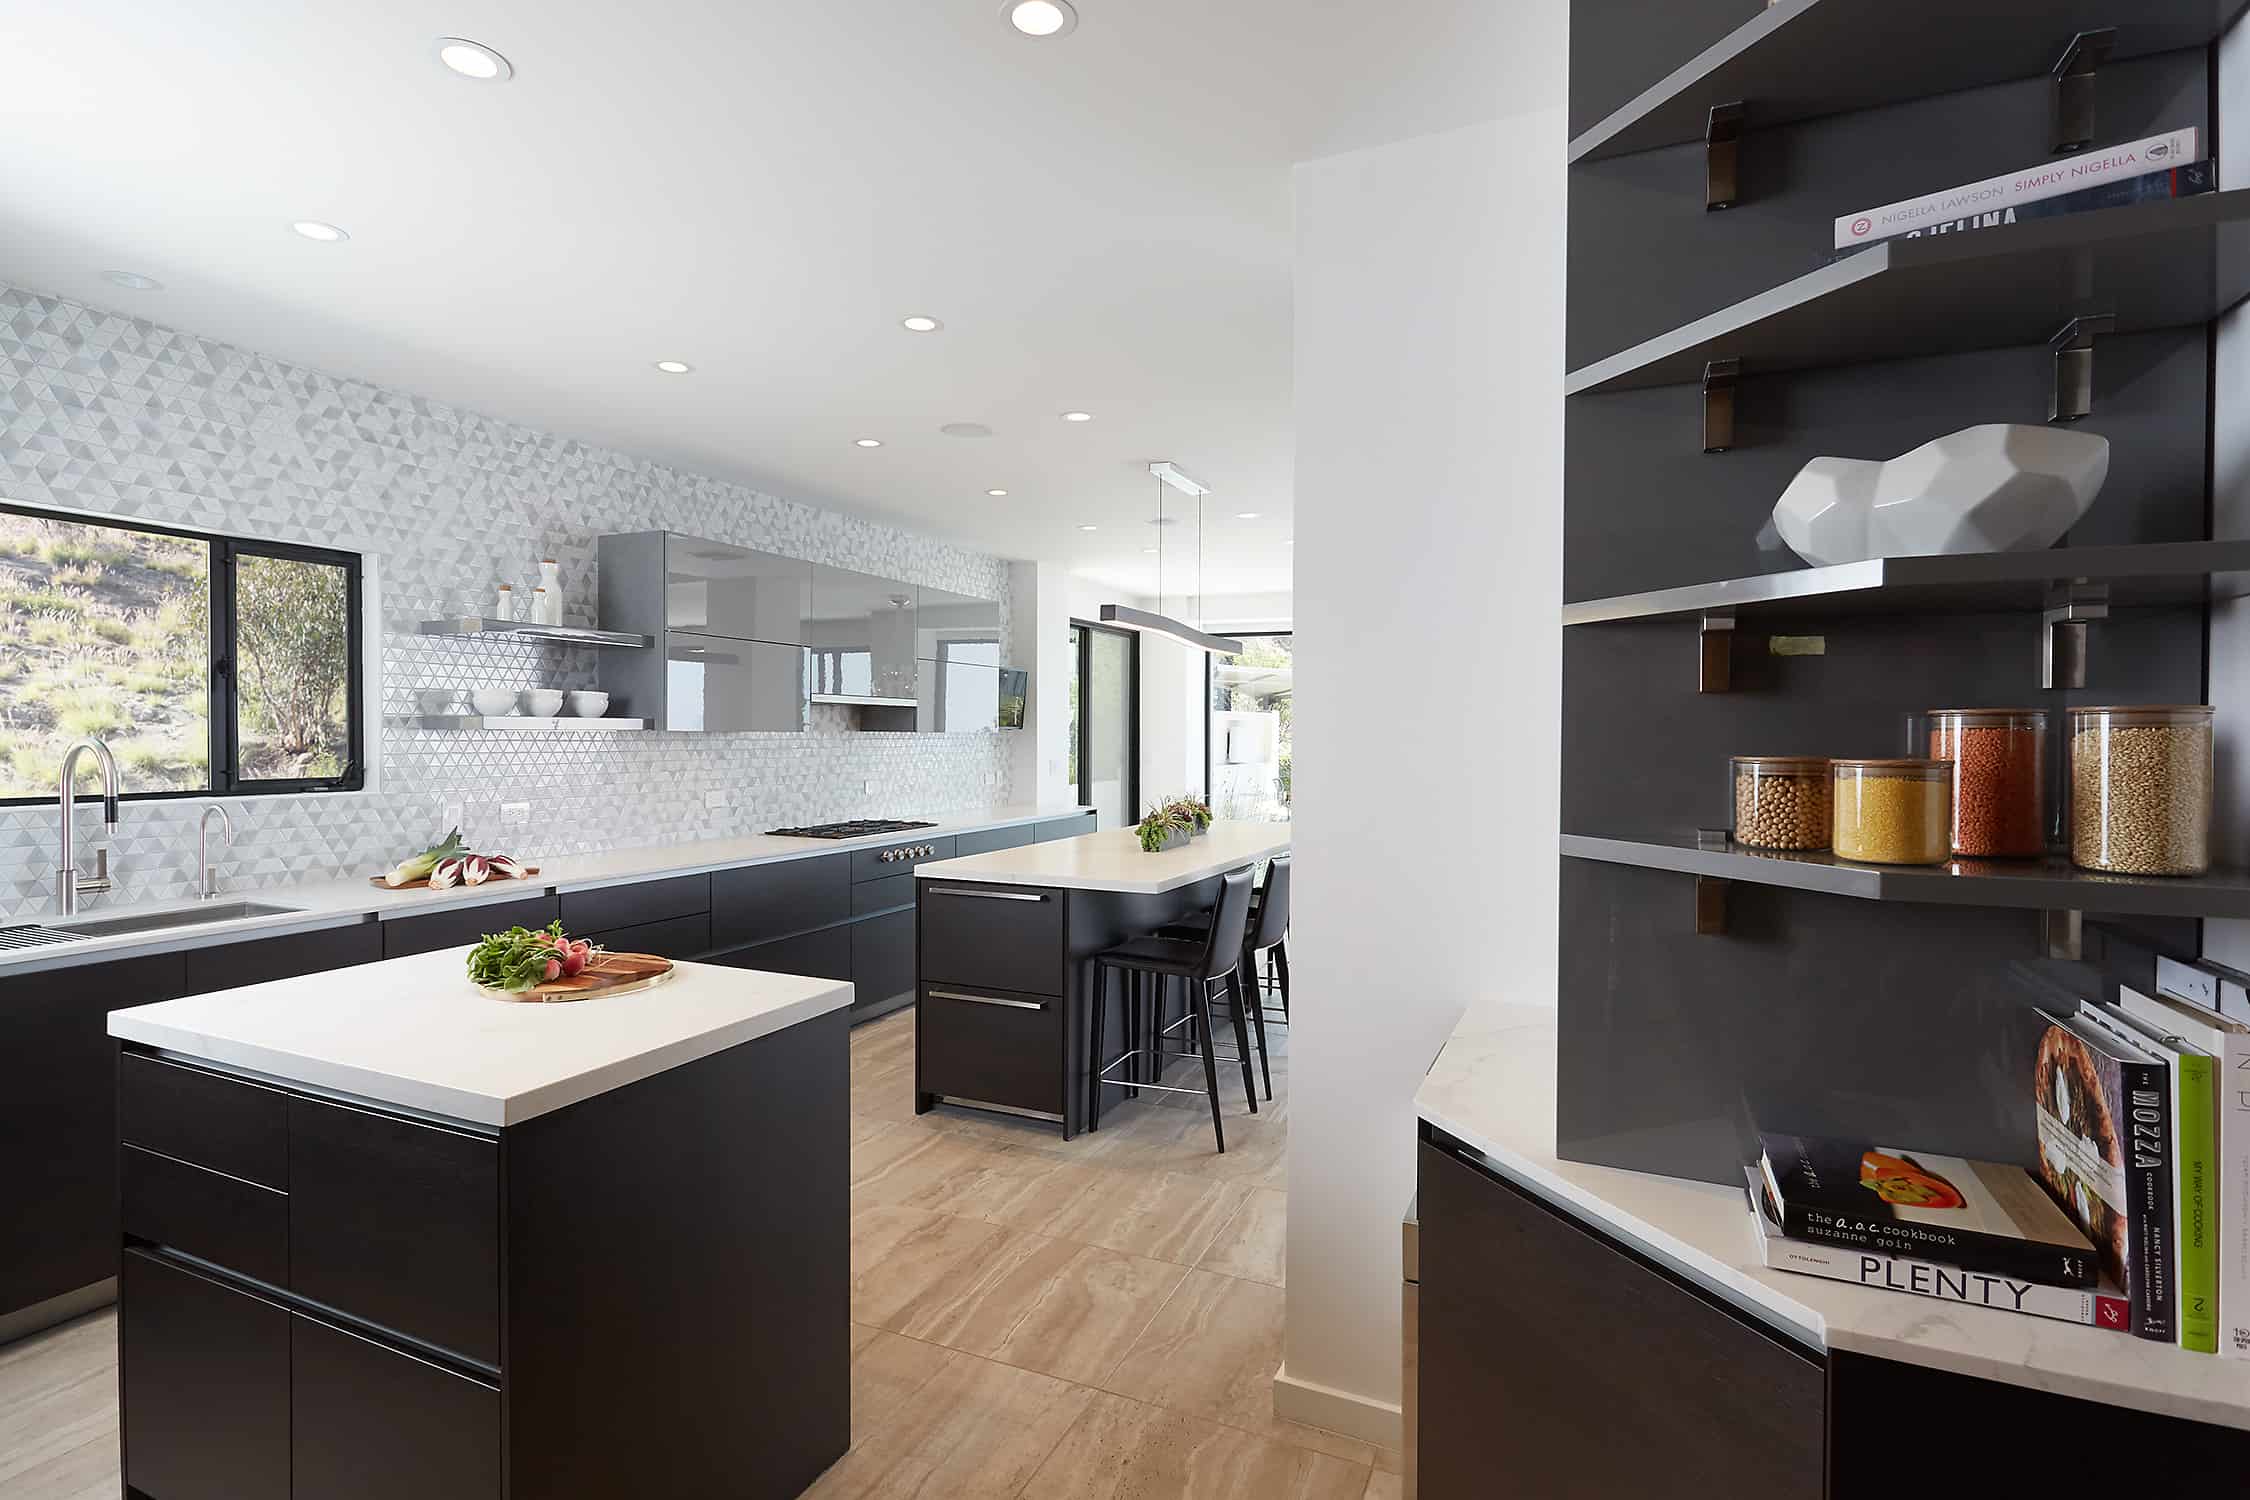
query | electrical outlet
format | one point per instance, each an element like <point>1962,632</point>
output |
<point>714,800</point>
<point>870,788</point>
<point>515,812</point>
<point>992,778</point>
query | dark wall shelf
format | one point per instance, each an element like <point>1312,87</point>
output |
<point>2153,265</point>
<point>1805,58</point>
<point>2038,885</point>
<point>2148,574</point>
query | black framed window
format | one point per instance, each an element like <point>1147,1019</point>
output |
<point>209,665</point>
<point>1106,721</point>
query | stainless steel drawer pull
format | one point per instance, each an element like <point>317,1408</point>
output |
<point>956,890</point>
<point>986,1000</point>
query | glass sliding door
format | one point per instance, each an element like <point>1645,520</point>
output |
<point>1105,713</point>
<point>1251,698</point>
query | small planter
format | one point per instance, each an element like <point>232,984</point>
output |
<point>1178,838</point>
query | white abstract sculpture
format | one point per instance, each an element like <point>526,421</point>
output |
<point>2001,487</point>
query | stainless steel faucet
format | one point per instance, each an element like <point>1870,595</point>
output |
<point>69,884</point>
<point>206,879</point>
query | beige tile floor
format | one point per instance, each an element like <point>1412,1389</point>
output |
<point>1030,1317</point>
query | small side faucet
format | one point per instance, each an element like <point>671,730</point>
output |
<point>70,884</point>
<point>206,877</point>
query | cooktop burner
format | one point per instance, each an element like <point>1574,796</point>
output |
<point>856,829</point>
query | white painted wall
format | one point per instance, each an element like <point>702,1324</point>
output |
<point>1429,366</point>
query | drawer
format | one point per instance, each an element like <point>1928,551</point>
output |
<point>203,1382</point>
<point>675,937</point>
<point>1002,937</point>
<point>262,959</point>
<point>633,905</point>
<point>826,954</point>
<point>397,1223</point>
<point>887,894</point>
<point>1066,828</point>
<point>990,1045</point>
<point>761,902</point>
<point>882,960</point>
<point>872,864</point>
<point>368,1422</point>
<point>468,924</point>
<point>225,1220</point>
<point>230,1126</point>
<point>984,841</point>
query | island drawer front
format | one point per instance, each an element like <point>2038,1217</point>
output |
<point>887,894</point>
<point>209,1215</point>
<point>869,864</point>
<point>368,1422</point>
<point>397,1223</point>
<point>985,840</point>
<point>1001,937</point>
<point>757,903</point>
<point>991,1045</point>
<point>632,905</point>
<point>674,937</point>
<point>453,929</point>
<point>214,1121</point>
<point>203,1381</point>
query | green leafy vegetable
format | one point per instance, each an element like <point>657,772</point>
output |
<point>514,960</point>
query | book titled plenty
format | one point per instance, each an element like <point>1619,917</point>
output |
<point>2049,179</point>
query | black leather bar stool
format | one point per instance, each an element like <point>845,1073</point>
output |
<point>1214,961</point>
<point>1268,934</point>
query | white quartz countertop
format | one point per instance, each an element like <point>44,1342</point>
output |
<point>414,1032</point>
<point>1115,861</point>
<point>335,903</point>
<point>1493,1087</point>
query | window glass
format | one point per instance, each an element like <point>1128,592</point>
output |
<point>1251,699</point>
<point>293,663</point>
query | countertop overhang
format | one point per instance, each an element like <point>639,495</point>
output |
<point>1114,860</point>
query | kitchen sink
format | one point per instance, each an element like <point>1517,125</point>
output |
<point>163,921</point>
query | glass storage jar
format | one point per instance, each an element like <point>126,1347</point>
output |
<point>1894,812</point>
<point>1781,801</point>
<point>2140,789</point>
<point>1999,758</point>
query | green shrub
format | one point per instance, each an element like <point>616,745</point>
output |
<point>113,630</point>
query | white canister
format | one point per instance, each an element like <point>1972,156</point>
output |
<point>539,608</point>
<point>504,602</point>
<point>550,591</point>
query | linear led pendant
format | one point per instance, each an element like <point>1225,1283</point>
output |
<point>1124,617</point>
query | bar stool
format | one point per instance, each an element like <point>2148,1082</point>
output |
<point>1215,960</point>
<point>1268,934</point>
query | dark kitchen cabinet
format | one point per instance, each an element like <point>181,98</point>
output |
<point>757,903</point>
<point>826,954</point>
<point>674,937</point>
<point>882,963</point>
<point>203,1378</point>
<point>201,1115</point>
<point>369,1422</point>
<point>232,965</point>
<point>900,858</point>
<point>463,925</point>
<point>1067,827</point>
<point>58,1121</point>
<point>606,907</point>
<point>209,1215</point>
<point>1003,937</point>
<point>984,841</point>
<point>991,1046</point>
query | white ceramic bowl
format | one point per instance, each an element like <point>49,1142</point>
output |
<point>540,703</point>
<point>493,703</point>
<point>587,705</point>
<point>433,701</point>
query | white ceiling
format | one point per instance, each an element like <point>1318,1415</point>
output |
<point>762,189</point>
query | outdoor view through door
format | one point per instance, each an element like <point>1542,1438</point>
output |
<point>1105,722</point>
<point>1251,697</point>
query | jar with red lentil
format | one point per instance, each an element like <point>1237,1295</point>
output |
<point>1999,759</point>
<point>2140,789</point>
<point>1781,801</point>
<point>1894,812</point>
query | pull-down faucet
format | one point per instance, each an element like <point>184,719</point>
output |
<point>69,884</point>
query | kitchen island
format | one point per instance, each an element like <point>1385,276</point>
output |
<point>384,1236</point>
<point>1005,943</point>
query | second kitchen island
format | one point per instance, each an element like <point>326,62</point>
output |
<point>1005,947</point>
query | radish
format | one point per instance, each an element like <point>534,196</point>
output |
<point>554,969</point>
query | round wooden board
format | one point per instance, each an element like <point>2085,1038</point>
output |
<point>424,883</point>
<point>611,974</point>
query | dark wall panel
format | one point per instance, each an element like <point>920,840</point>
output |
<point>1620,47</point>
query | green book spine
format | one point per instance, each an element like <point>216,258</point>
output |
<point>2198,1185</point>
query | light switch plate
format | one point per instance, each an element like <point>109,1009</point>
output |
<point>870,788</point>
<point>714,800</point>
<point>515,812</point>
<point>452,817</point>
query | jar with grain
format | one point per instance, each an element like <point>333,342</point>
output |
<point>1894,812</point>
<point>1781,801</point>
<point>1999,758</point>
<point>2140,789</point>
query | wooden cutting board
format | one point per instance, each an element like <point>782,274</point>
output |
<point>424,883</point>
<point>611,974</point>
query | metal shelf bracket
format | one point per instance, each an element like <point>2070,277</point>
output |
<point>1711,906</point>
<point>1720,377</point>
<point>2062,631</point>
<point>1714,669</point>
<point>2062,934</point>
<point>2073,88</point>
<point>1722,143</point>
<point>2073,346</point>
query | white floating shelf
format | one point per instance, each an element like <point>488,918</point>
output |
<point>849,701</point>
<point>524,630</point>
<point>557,724</point>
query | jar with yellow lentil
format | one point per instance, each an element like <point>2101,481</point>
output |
<point>1781,801</point>
<point>1894,812</point>
<point>2140,789</point>
<point>1999,758</point>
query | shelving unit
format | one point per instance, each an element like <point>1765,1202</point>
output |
<point>523,630</point>
<point>525,724</point>
<point>846,700</point>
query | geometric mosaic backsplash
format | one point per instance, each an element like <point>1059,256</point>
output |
<point>116,415</point>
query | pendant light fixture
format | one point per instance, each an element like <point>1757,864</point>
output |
<point>1125,617</point>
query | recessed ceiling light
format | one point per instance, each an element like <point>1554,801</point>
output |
<point>1246,515</point>
<point>1078,416</point>
<point>1041,18</point>
<point>1291,542</point>
<point>966,430</point>
<point>315,229</point>
<point>474,60</point>
<point>920,324</point>
<point>674,366</point>
<point>868,442</point>
<point>1088,528</point>
<point>996,494</point>
<point>1148,549</point>
<point>134,281</point>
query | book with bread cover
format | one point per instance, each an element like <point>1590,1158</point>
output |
<point>1895,1200</point>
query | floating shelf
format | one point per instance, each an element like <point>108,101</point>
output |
<point>849,701</point>
<point>2164,264</point>
<point>526,724</point>
<point>1806,58</point>
<point>1974,583</point>
<point>2052,884</point>
<point>522,630</point>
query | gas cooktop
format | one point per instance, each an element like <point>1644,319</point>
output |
<point>857,829</point>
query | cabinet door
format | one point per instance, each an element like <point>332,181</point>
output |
<point>464,924</point>
<point>1003,937</point>
<point>985,840</point>
<point>1559,1364</point>
<point>758,903</point>
<point>371,1423</point>
<point>826,954</point>
<point>990,1046</point>
<point>862,634</point>
<point>232,965</point>
<point>203,1386</point>
<point>716,588</point>
<point>716,685</point>
<point>955,696</point>
<point>1066,828</point>
<point>674,937</point>
<point>58,1122</point>
<point>883,961</point>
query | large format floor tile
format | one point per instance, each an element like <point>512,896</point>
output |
<point>1251,1245</point>
<point>974,1431</point>
<point>1122,1448</point>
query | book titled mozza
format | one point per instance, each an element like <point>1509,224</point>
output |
<point>1979,1216</point>
<point>2049,179</point>
<point>2099,1308</point>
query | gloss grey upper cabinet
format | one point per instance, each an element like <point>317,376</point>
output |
<point>955,627</point>
<point>715,588</point>
<point>730,625</point>
<point>957,696</point>
<point>718,685</point>
<point>862,636</point>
